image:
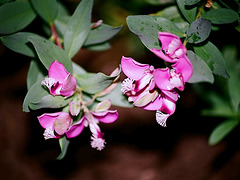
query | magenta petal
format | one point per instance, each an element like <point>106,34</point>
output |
<point>47,119</point>
<point>171,94</point>
<point>132,68</point>
<point>153,106</point>
<point>68,86</point>
<point>57,71</point>
<point>168,106</point>
<point>162,79</point>
<point>55,90</point>
<point>106,117</point>
<point>160,54</point>
<point>184,67</point>
<point>76,129</point>
<point>166,38</point>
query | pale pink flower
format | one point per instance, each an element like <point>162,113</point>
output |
<point>55,124</point>
<point>59,81</point>
<point>91,119</point>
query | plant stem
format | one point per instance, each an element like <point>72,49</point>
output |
<point>55,36</point>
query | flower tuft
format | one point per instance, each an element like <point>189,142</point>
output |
<point>49,82</point>
<point>49,133</point>
<point>97,143</point>
<point>161,118</point>
<point>127,85</point>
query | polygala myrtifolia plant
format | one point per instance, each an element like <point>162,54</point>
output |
<point>81,99</point>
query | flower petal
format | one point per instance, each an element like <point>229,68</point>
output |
<point>57,71</point>
<point>106,117</point>
<point>184,67</point>
<point>62,123</point>
<point>162,79</point>
<point>103,106</point>
<point>68,86</point>
<point>132,68</point>
<point>155,105</point>
<point>160,54</point>
<point>47,119</point>
<point>168,106</point>
<point>76,129</point>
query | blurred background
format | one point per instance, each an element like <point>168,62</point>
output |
<point>137,147</point>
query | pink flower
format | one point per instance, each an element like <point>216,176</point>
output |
<point>59,81</point>
<point>55,124</point>
<point>172,47</point>
<point>139,85</point>
<point>173,51</point>
<point>144,89</point>
<point>91,119</point>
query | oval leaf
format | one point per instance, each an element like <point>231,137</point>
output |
<point>94,83</point>
<point>38,97</point>
<point>221,16</point>
<point>48,52</point>
<point>15,16</point>
<point>64,143</point>
<point>191,2</point>
<point>36,72</point>
<point>78,27</point>
<point>213,57</point>
<point>147,28</point>
<point>234,87</point>
<point>188,12</point>
<point>19,43</point>
<point>62,19</point>
<point>199,30</point>
<point>201,71</point>
<point>101,34</point>
<point>47,9</point>
<point>221,131</point>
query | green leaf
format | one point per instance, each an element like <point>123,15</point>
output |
<point>99,47</point>
<point>221,131</point>
<point>191,2</point>
<point>47,9</point>
<point>94,83</point>
<point>78,69</point>
<point>117,98</point>
<point>101,34</point>
<point>213,57</point>
<point>201,71</point>
<point>199,30</point>
<point>50,101</point>
<point>188,12</point>
<point>61,20</point>
<point>159,2</point>
<point>64,143</point>
<point>38,97</point>
<point>48,52</point>
<point>221,16</point>
<point>15,16</point>
<point>147,28</point>
<point>219,106</point>
<point>36,73</point>
<point>19,43</point>
<point>234,87</point>
<point>78,27</point>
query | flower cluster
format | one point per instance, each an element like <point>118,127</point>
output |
<point>157,89</point>
<point>57,124</point>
